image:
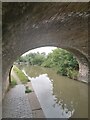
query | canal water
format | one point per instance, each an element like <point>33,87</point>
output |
<point>59,97</point>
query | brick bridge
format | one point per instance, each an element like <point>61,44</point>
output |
<point>31,25</point>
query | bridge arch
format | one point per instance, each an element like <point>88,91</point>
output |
<point>32,25</point>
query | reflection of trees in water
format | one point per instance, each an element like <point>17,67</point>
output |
<point>70,95</point>
<point>69,110</point>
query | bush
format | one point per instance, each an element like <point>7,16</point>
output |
<point>62,71</point>
<point>63,61</point>
<point>28,90</point>
<point>72,74</point>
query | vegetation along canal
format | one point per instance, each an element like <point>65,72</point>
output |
<point>59,96</point>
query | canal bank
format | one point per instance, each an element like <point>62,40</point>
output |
<point>18,104</point>
<point>59,96</point>
<point>37,111</point>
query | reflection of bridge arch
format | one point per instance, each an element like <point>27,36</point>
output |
<point>33,25</point>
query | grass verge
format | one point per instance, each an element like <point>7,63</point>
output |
<point>13,82</point>
<point>21,75</point>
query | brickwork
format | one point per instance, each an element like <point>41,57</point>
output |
<point>31,25</point>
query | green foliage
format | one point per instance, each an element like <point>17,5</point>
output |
<point>63,61</point>
<point>13,82</point>
<point>33,58</point>
<point>48,62</point>
<point>72,74</point>
<point>20,74</point>
<point>28,90</point>
<point>38,59</point>
<point>21,59</point>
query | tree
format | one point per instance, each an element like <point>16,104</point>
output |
<point>63,61</point>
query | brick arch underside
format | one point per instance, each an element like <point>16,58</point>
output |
<point>31,25</point>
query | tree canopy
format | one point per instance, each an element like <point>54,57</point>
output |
<point>61,60</point>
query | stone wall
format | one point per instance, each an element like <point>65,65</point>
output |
<point>0,60</point>
<point>30,25</point>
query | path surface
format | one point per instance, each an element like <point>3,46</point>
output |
<point>17,104</point>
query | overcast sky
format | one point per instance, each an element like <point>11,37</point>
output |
<point>41,49</point>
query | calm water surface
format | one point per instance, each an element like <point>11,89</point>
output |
<point>60,97</point>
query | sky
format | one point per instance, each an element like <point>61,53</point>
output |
<point>40,50</point>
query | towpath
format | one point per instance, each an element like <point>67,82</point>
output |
<point>17,104</point>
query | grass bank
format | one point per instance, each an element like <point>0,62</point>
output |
<point>20,74</point>
<point>13,82</point>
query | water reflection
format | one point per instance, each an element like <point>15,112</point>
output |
<point>60,97</point>
<point>44,90</point>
